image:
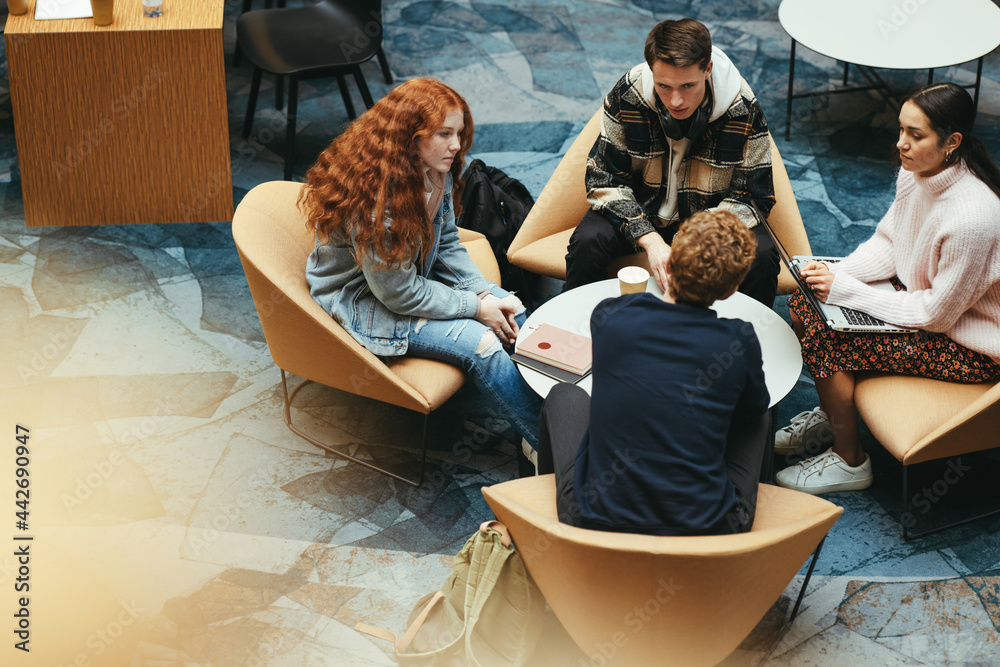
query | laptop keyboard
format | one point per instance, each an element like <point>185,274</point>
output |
<point>858,318</point>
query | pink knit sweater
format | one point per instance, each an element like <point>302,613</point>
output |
<point>941,237</point>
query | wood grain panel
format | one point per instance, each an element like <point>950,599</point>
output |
<point>121,126</point>
<point>177,15</point>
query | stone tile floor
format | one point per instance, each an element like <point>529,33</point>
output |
<point>185,525</point>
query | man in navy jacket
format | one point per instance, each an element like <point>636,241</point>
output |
<point>677,426</point>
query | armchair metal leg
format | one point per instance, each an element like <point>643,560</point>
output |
<point>289,397</point>
<point>805,582</point>
<point>907,514</point>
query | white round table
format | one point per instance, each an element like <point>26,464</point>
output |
<point>890,34</point>
<point>779,347</point>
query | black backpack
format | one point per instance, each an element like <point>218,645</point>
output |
<point>495,205</point>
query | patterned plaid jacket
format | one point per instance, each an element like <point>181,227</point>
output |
<point>727,167</point>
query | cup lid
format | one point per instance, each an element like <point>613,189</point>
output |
<point>633,274</point>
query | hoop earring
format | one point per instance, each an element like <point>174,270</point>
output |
<point>947,157</point>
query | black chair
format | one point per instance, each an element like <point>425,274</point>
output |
<point>247,4</point>
<point>329,38</point>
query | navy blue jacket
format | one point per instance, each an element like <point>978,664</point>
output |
<point>668,382</point>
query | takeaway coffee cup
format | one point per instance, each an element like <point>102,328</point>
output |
<point>633,279</point>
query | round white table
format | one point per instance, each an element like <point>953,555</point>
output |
<point>779,347</point>
<point>890,34</point>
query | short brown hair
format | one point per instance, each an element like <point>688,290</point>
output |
<point>679,43</point>
<point>709,257</point>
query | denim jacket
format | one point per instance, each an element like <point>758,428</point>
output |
<point>378,306</point>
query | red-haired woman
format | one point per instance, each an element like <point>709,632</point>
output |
<point>388,265</point>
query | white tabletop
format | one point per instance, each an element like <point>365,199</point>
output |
<point>779,346</point>
<point>894,34</point>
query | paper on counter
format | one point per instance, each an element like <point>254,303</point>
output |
<point>63,9</point>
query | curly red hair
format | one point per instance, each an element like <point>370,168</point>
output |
<point>373,170</point>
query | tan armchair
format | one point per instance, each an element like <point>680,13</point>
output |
<point>540,244</point>
<point>274,243</point>
<point>918,419</point>
<point>645,600</point>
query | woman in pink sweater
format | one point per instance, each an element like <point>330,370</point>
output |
<point>940,242</point>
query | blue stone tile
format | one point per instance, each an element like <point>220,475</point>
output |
<point>227,307</point>
<point>450,15</point>
<point>548,71</point>
<point>862,188</point>
<point>542,137</point>
<point>515,21</point>
<point>71,269</point>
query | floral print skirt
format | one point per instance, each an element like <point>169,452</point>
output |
<point>923,353</point>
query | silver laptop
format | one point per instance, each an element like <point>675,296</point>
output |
<point>838,318</point>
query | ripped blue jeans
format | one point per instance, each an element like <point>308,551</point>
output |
<point>475,349</point>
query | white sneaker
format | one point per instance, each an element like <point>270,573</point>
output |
<point>531,453</point>
<point>809,432</point>
<point>825,473</point>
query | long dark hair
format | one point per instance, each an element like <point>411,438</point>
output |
<point>949,109</point>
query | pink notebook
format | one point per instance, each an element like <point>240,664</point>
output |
<point>561,348</point>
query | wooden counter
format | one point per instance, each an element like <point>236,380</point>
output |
<point>125,123</point>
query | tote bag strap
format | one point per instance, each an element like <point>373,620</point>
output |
<point>403,642</point>
<point>411,632</point>
<point>500,528</point>
<point>380,633</point>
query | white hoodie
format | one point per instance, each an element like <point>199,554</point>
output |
<point>725,82</point>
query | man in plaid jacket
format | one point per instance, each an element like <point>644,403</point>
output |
<point>680,133</point>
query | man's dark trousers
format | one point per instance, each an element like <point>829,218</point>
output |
<point>595,242</point>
